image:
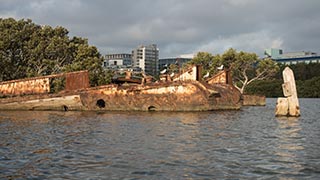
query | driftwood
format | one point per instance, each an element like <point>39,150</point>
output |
<point>288,106</point>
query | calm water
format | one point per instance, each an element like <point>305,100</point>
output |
<point>246,144</point>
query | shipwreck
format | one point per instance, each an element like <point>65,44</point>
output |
<point>185,91</point>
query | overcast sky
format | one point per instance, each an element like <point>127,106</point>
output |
<point>180,26</point>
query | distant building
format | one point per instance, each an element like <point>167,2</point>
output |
<point>273,53</point>
<point>116,61</point>
<point>146,58</point>
<point>292,57</point>
<point>177,60</point>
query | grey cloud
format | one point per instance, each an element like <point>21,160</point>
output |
<point>180,26</point>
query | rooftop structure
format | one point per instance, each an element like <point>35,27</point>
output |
<point>292,57</point>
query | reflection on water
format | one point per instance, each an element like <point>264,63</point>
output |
<point>289,147</point>
<point>246,144</point>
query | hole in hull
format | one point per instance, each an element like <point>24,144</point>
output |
<point>65,108</point>
<point>101,103</point>
<point>151,108</point>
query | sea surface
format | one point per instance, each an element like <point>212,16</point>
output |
<point>248,144</point>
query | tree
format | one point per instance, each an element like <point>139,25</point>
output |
<point>268,88</point>
<point>207,61</point>
<point>173,68</point>
<point>245,67</point>
<point>87,58</point>
<point>248,67</point>
<point>28,50</point>
<point>49,51</point>
<point>13,35</point>
<point>202,58</point>
<point>229,57</point>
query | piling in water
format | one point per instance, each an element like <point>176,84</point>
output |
<point>288,106</point>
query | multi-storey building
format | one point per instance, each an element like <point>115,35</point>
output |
<point>292,57</point>
<point>117,60</point>
<point>146,58</point>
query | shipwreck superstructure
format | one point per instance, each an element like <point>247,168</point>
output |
<point>186,91</point>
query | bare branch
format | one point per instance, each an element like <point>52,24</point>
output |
<point>258,77</point>
<point>237,87</point>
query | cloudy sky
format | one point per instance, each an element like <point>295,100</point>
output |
<point>180,26</point>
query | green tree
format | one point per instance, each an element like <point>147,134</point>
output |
<point>245,67</point>
<point>229,57</point>
<point>13,35</point>
<point>28,50</point>
<point>268,88</point>
<point>173,68</point>
<point>202,58</point>
<point>248,67</point>
<point>87,58</point>
<point>49,51</point>
<point>309,88</point>
<point>208,62</point>
<point>307,81</point>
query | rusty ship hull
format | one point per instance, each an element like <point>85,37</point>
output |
<point>175,96</point>
<point>184,93</point>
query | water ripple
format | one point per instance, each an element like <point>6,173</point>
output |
<point>246,144</point>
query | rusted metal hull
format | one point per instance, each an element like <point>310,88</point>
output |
<point>175,96</point>
<point>59,103</point>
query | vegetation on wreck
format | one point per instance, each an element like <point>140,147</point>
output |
<point>252,75</point>
<point>245,67</point>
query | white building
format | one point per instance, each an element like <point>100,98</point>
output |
<point>146,58</point>
<point>116,61</point>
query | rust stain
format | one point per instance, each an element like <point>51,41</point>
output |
<point>176,96</point>
<point>29,86</point>
<point>77,80</point>
<point>185,93</point>
<point>41,85</point>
